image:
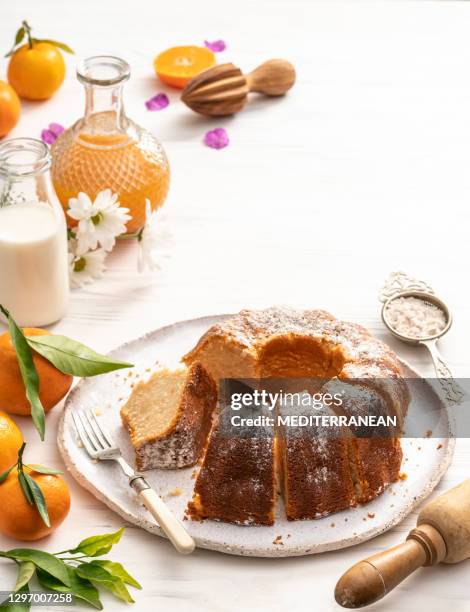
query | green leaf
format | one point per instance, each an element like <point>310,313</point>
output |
<point>42,560</point>
<point>99,545</point>
<point>18,38</point>
<point>25,488</point>
<point>103,578</point>
<point>79,587</point>
<point>56,43</point>
<point>4,475</point>
<point>40,469</point>
<point>28,372</point>
<point>39,500</point>
<point>26,571</point>
<point>116,569</point>
<point>72,357</point>
<point>17,607</point>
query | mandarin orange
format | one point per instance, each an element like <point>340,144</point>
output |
<point>178,65</point>
<point>10,108</point>
<point>36,72</point>
<point>11,440</point>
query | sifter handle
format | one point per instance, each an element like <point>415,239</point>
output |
<point>371,579</point>
<point>451,389</point>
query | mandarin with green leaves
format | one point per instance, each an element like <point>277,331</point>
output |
<point>21,520</point>
<point>53,384</point>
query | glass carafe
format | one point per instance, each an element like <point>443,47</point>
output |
<point>34,279</point>
<point>106,150</point>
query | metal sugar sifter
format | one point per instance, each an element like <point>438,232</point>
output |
<point>399,286</point>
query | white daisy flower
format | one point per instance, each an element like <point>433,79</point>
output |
<point>154,240</point>
<point>84,268</point>
<point>99,222</point>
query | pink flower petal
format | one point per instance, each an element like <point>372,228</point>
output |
<point>216,139</point>
<point>157,102</point>
<point>216,46</point>
<point>50,135</point>
<point>56,128</point>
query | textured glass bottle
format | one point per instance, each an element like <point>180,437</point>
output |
<point>106,150</point>
<point>34,277</point>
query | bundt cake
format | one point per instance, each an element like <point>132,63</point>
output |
<point>169,417</point>
<point>176,418</point>
<point>319,474</point>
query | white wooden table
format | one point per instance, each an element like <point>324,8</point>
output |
<point>361,170</point>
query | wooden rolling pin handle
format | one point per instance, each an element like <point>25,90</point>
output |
<point>273,78</point>
<point>370,580</point>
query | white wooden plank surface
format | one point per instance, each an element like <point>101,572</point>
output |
<point>361,170</point>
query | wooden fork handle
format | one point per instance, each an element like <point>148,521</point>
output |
<point>172,527</point>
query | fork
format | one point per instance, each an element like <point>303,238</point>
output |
<point>100,445</point>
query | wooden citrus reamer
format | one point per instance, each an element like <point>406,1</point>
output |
<point>224,89</point>
<point>442,535</point>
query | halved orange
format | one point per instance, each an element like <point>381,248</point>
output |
<point>178,65</point>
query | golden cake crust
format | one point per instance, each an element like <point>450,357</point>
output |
<point>281,342</point>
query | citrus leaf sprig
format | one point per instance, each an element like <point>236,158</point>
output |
<point>28,371</point>
<point>81,575</point>
<point>25,30</point>
<point>30,488</point>
<point>67,355</point>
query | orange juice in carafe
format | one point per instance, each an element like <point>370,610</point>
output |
<point>106,150</point>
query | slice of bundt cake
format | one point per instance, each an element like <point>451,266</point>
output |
<point>237,481</point>
<point>169,417</point>
<point>316,476</point>
<point>375,456</point>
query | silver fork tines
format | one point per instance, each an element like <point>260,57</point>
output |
<point>96,440</point>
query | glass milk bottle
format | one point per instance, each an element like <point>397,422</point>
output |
<point>34,281</point>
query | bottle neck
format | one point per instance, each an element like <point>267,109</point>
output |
<point>104,113</point>
<point>24,174</point>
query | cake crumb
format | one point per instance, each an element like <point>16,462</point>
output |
<point>403,476</point>
<point>439,446</point>
<point>278,541</point>
<point>288,535</point>
<point>371,515</point>
<point>98,412</point>
<point>175,492</point>
<point>130,374</point>
<point>333,525</point>
<point>429,433</point>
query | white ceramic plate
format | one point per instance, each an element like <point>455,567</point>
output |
<point>425,461</point>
